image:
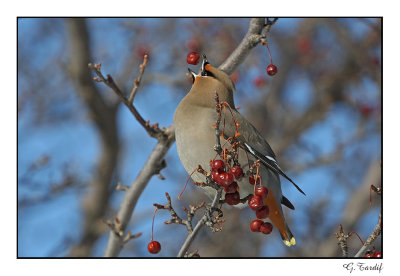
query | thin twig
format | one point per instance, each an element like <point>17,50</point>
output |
<point>121,187</point>
<point>194,254</point>
<point>129,237</point>
<point>218,109</point>
<point>199,225</point>
<point>154,130</point>
<point>138,80</point>
<point>268,26</point>
<point>342,241</point>
<point>174,216</point>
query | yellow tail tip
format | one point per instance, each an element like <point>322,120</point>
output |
<point>290,243</point>
<point>287,243</point>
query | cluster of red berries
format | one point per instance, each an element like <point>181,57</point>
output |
<point>258,225</point>
<point>227,180</point>
<point>232,196</point>
<point>256,203</point>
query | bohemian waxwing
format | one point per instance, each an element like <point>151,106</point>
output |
<point>194,122</point>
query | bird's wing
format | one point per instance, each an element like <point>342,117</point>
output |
<point>252,141</point>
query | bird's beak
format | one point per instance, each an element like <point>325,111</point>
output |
<point>194,75</point>
<point>203,65</point>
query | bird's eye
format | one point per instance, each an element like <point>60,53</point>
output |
<point>206,73</point>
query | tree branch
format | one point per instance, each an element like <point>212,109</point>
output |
<point>153,165</point>
<point>199,225</point>
<point>375,233</point>
<point>138,80</point>
<point>253,36</point>
<point>174,216</point>
<point>153,130</point>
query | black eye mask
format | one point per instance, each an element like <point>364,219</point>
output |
<point>206,73</point>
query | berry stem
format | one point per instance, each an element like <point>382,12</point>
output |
<point>152,225</point>
<point>226,105</point>
<point>351,233</point>
<point>269,52</point>
<point>184,187</point>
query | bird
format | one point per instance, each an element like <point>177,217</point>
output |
<point>194,122</point>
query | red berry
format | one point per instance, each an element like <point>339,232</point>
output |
<point>378,254</point>
<point>272,70</point>
<point>215,176</point>
<point>231,188</point>
<point>255,225</point>
<point>252,181</point>
<point>256,203</point>
<point>232,198</point>
<point>261,191</point>
<point>236,171</point>
<point>193,58</point>
<point>368,255</point>
<point>225,179</point>
<point>262,213</point>
<point>218,165</point>
<point>266,228</point>
<point>154,247</point>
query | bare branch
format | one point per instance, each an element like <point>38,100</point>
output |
<point>377,230</point>
<point>252,38</point>
<point>138,80</point>
<point>153,165</point>
<point>129,237</point>
<point>152,130</point>
<point>342,241</point>
<point>121,187</point>
<point>174,216</point>
<point>199,225</point>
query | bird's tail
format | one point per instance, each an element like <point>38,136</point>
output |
<point>288,239</point>
<point>277,218</point>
